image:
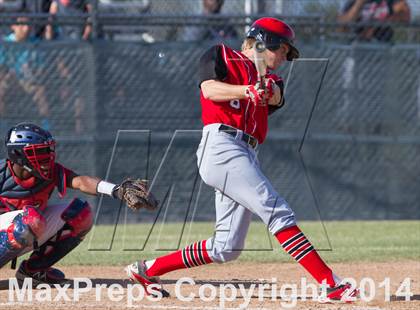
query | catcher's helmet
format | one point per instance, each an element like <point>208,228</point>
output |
<point>274,32</point>
<point>33,148</point>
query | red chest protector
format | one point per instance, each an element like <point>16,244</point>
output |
<point>16,193</point>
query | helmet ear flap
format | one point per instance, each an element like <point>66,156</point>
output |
<point>17,156</point>
<point>9,132</point>
<point>260,36</point>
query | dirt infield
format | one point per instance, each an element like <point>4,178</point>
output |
<point>242,276</point>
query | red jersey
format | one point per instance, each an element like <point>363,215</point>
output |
<point>16,193</point>
<point>229,66</point>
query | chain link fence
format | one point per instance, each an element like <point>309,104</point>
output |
<point>168,20</point>
<point>358,160</point>
<point>326,8</point>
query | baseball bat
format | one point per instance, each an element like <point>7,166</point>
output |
<point>259,49</point>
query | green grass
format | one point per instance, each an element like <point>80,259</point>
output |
<point>350,242</point>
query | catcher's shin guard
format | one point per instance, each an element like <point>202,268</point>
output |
<point>78,219</point>
<point>23,232</point>
<point>7,251</point>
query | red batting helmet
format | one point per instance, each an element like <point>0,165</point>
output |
<point>274,32</point>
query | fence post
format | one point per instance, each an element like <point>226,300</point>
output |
<point>94,19</point>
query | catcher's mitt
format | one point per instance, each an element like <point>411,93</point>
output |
<point>135,193</point>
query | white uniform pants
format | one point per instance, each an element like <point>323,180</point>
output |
<point>231,166</point>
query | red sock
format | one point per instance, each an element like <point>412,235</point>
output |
<point>193,255</point>
<point>295,243</point>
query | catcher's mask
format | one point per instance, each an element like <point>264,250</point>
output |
<point>33,148</point>
<point>273,32</point>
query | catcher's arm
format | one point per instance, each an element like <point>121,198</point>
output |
<point>135,193</point>
<point>85,184</point>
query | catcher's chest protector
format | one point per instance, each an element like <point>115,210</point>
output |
<point>14,196</point>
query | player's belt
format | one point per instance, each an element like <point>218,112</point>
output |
<point>245,137</point>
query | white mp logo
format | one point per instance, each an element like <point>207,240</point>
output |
<point>235,104</point>
<point>288,293</point>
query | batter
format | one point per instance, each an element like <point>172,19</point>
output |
<point>236,104</point>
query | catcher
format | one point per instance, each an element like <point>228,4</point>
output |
<point>28,222</point>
